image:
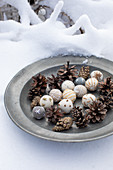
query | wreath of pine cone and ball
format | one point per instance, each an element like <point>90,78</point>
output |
<point>54,97</point>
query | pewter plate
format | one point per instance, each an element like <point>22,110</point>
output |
<point>18,106</point>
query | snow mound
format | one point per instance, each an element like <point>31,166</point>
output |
<point>49,38</point>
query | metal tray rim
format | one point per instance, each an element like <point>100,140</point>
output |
<point>54,138</point>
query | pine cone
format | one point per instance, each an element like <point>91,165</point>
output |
<point>35,102</point>
<point>67,72</point>
<point>84,72</point>
<point>80,119</point>
<point>53,114</point>
<point>97,111</point>
<point>54,82</point>
<point>39,86</point>
<point>106,87</point>
<point>63,124</point>
<point>107,100</point>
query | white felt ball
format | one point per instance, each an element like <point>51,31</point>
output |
<point>67,84</point>
<point>56,94</point>
<point>97,74</point>
<point>91,84</point>
<point>69,94</point>
<point>80,90</point>
<point>46,101</point>
<point>88,99</point>
<point>66,105</point>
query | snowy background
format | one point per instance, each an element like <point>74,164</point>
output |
<point>22,44</point>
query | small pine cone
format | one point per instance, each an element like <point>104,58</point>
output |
<point>35,102</point>
<point>38,86</point>
<point>53,114</point>
<point>67,72</point>
<point>63,124</point>
<point>54,82</point>
<point>76,111</point>
<point>107,100</point>
<point>97,111</point>
<point>106,87</point>
<point>84,72</point>
<point>80,119</point>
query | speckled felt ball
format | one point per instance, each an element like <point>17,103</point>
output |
<point>67,84</point>
<point>38,112</point>
<point>97,74</point>
<point>56,94</point>
<point>91,84</point>
<point>80,90</point>
<point>65,105</point>
<point>88,99</point>
<point>79,81</point>
<point>46,101</point>
<point>69,94</point>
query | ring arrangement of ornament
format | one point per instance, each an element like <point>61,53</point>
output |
<point>54,98</point>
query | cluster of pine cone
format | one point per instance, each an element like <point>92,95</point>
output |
<point>96,111</point>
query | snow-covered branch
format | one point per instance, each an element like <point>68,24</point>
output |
<point>56,11</point>
<point>27,15</point>
<point>84,23</point>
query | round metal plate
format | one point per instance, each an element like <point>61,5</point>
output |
<point>18,106</point>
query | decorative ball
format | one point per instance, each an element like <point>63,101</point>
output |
<point>67,84</point>
<point>69,94</point>
<point>88,99</point>
<point>97,74</point>
<point>38,112</point>
<point>56,94</point>
<point>80,90</point>
<point>65,105</point>
<point>79,81</point>
<point>46,101</point>
<point>42,17</point>
<point>42,11</point>
<point>91,84</point>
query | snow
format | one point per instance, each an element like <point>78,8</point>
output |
<point>27,15</point>
<point>51,38</point>
<point>100,12</point>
